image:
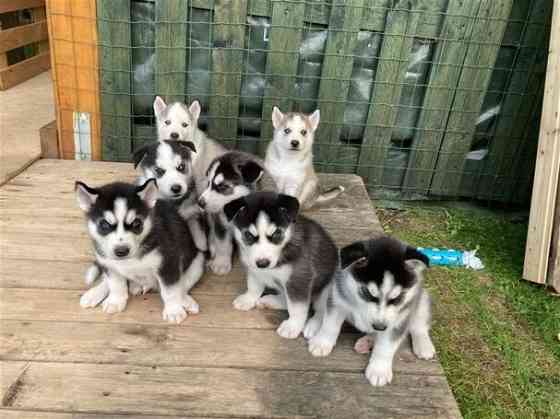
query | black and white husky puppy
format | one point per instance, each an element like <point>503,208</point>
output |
<point>141,239</point>
<point>286,252</point>
<point>379,291</point>
<point>230,176</point>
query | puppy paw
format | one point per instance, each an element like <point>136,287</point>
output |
<point>364,344</point>
<point>320,347</point>
<point>271,301</point>
<point>424,349</point>
<point>379,373</point>
<point>174,313</point>
<point>134,288</point>
<point>220,266</point>
<point>245,302</point>
<point>311,327</point>
<point>92,297</point>
<point>289,329</point>
<point>114,305</point>
<point>191,305</point>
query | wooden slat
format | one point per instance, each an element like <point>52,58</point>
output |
<point>398,40</point>
<point>227,392</point>
<point>39,14</point>
<point>14,5</point>
<point>227,65</point>
<point>30,414</point>
<point>23,35</point>
<point>49,141</point>
<point>553,274</point>
<point>448,57</point>
<point>171,49</point>
<point>547,169</point>
<point>282,63</point>
<point>24,70</point>
<point>344,25</point>
<point>488,31</point>
<point>116,68</point>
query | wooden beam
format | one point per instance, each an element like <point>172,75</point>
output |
<point>39,14</point>
<point>24,70</point>
<point>545,186</point>
<point>23,35</point>
<point>49,141</point>
<point>14,5</point>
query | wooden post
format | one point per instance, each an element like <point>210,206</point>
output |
<point>545,186</point>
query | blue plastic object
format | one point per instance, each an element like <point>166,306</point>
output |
<point>452,257</point>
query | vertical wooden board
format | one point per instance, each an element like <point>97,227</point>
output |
<point>554,260</point>
<point>398,39</point>
<point>230,17</point>
<point>282,63</point>
<point>488,31</point>
<point>344,25</point>
<point>171,49</point>
<point>40,14</point>
<point>448,58</point>
<point>525,81</point>
<point>547,167</point>
<point>116,68</point>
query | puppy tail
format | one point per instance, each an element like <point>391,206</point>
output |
<point>330,194</point>
<point>93,272</point>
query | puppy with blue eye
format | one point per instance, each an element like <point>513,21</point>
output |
<point>141,239</point>
<point>379,291</point>
<point>284,251</point>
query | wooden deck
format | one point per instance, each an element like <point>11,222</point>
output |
<point>58,360</point>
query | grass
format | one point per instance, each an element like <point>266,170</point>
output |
<point>497,336</point>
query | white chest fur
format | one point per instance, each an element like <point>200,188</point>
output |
<point>143,270</point>
<point>275,278</point>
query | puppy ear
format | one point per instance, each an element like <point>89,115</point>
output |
<point>190,145</point>
<point>159,106</point>
<point>277,117</point>
<point>289,206</point>
<point>314,120</point>
<point>353,253</point>
<point>85,195</point>
<point>139,155</point>
<point>194,109</point>
<point>251,171</point>
<point>148,192</point>
<point>412,253</point>
<point>234,208</point>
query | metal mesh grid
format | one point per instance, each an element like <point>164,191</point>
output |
<point>423,98</point>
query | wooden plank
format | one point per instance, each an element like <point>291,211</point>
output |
<point>398,40</point>
<point>547,168</point>
<point>228,392</point>
<point>183,346</point>
<point>39,14</point>
<point>24,70</point>
<point>449,55</point>
<point>29,414</point>
<point>171,49</point>
<point>227,66</point>
<point>282,63</point>
<point>49,141</point>
<point>14,5</point>
<point>484,45</point>
<point>115,61</point>
<point>336,72</point>
<point>23,35</point>
<point>553,274</point>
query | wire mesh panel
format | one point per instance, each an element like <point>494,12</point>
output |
<point>423,98</point>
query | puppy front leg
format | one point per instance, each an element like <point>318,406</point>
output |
<point>380,368</point>
<point>176,303</point>
<point>95,295</point>
<point>298,311</point>
<point>248,300</point>
<point>198,235</point>
<point>221,248</point>
<point>118,293</point>
<point>324,341</point>
<point>307,192</point>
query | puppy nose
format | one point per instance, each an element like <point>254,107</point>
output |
<point>295,143</point>
<point>176,188</point>
<point>380,326</point>
<point>202,203</point>
<point>174,135</point>
<point>121,251</point>
<point>263,263</point>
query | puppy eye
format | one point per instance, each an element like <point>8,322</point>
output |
<point>396,300</point>
<point>303,132</point>
<point>185,125</point>
<point>222,187</point>
<point>276,236</point>
<point>159,171</point>
<point>167,122</point>
<point>366,295</point>
<point>287,131</point>
<point>136,226</point>
<point>105,227</point>
<point>249,237</point>
<point>181,167</point>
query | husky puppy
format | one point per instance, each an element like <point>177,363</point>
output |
<point>179,122</point>
<point>230,176</point>
<point>284,251</point>
<point>143,240</point>
<point>379,291</point>
<point>289,158</point>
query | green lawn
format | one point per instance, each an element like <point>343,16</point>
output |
<point>498,337</point>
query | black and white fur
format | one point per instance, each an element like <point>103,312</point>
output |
<point>284,251</point>
<point>289,158</point>
<point>379,291</point>
<point>230,176</point>
<point>142,240</point>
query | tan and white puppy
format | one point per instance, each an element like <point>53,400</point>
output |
<point>289,158</point>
